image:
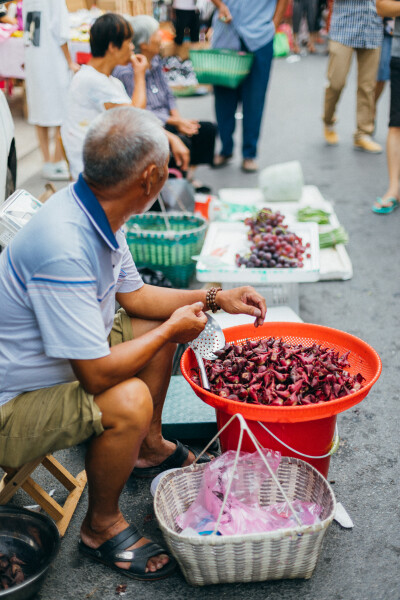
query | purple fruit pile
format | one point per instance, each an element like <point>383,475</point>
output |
<point>273,245</point>
<point>274,373</point>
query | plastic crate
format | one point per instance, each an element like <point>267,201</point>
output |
<point>15,213</point>
<point>171,251</point>
<point>221,67</point>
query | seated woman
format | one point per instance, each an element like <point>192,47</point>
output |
<point>199,136</point>
<point>93,90</point>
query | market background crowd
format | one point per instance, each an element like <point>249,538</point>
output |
<point>392,127</point>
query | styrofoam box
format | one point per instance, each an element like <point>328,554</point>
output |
<point>226,239</point>
<point>15,213</point>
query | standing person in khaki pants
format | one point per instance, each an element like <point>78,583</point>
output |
<point>355,26</point>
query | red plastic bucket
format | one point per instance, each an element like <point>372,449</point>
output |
<point>309,438</point>
<point>309,430</point>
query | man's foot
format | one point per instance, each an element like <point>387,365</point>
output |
<point>311,48</point>
<point>181,456</point>
<point>221,161</point>
<point>122,548</point>
<point>249,165</point>
<point>367,144</point>
<point>331,137</point>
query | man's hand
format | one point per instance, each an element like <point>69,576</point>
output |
<point>187,323</point>
<point>179,150</point>
<point>188,127</point>
<point>140,64</point>
<point>224,13</point>
<point>73,66</point>
<point>243,300</point>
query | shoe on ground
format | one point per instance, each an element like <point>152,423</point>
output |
<point>367,144</point>
<point>56,171</point>
<point>331,137</point>
<point>249,165</point>
<point>221,161</point>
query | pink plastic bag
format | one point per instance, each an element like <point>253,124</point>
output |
<point>242,512</point>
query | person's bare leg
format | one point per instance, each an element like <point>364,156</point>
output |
<point>157,374</point>
<point>312,42</point>
<point>126,414</point>
<point>296,47</point>
<point>43,137</point>
<point>58,149</point>
<point>393,162</point>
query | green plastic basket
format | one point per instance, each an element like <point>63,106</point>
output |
<point>171,252</point>
<point>221,67</point>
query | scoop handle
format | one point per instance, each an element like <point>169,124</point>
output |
<point>203,374</point>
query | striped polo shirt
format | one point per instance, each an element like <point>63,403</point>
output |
<point>58,281</point>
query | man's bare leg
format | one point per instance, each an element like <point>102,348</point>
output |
<point>157,374</point>
<point>126,416</point>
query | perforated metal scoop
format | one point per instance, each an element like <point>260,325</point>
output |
<point>211,339</point>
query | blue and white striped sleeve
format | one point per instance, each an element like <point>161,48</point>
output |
<point>63,295</point>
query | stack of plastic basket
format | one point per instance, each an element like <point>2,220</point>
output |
<point>221,67</point>
<point>281,554</point>
<point>153,245</point>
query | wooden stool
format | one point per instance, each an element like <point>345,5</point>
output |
<point>20,478</point>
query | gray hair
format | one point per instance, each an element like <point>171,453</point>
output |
<point>121,143</point>
<point>143,28</point>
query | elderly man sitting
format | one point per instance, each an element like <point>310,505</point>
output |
<point>69,369</point>
<point>198,136</point>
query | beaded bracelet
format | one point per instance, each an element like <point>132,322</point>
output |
<point>210,299</point>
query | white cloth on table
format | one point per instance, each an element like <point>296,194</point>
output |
<point>47,75</point>
<point>88,93</point>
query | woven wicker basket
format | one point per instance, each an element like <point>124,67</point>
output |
<point>171,252</point>
<point>282,554</point>
<point>221,67</point>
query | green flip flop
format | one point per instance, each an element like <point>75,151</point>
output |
<point>385,210</point>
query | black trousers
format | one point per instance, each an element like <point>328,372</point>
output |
<point>186,19</point>
<point>201,145</point>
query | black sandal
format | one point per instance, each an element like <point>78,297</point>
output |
<point>174,461</point>
<point>114,550</point>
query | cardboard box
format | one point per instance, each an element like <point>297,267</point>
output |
<point>127,7</point>
<point>74,5</point>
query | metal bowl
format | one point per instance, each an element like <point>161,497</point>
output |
<point>34,538</point>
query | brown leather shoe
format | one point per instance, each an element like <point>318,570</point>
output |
<point>221,161</point>
<point>249,165</point>
<point>367,144</point>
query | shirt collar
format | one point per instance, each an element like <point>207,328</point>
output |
<point>93,209</point>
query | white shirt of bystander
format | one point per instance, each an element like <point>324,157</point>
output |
<point>90,90</point>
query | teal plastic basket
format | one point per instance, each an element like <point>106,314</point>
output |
<point>221,67</point>
<point>171,252</point>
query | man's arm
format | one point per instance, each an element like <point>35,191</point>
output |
<point>388,8</point>
<point>151,302</point>
<point>279,12</point>
<point>129,358</point>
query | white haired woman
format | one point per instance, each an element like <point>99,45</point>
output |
<point>198,136</point>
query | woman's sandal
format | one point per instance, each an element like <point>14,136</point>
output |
<point>384,208</point>
<point>115,550</point>
<point>174,461</point>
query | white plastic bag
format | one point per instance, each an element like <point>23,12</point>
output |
<point>282,182</point>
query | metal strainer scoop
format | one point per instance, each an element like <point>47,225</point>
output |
<point>211,339</point>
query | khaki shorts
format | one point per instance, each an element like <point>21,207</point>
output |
<point>39,422</point>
